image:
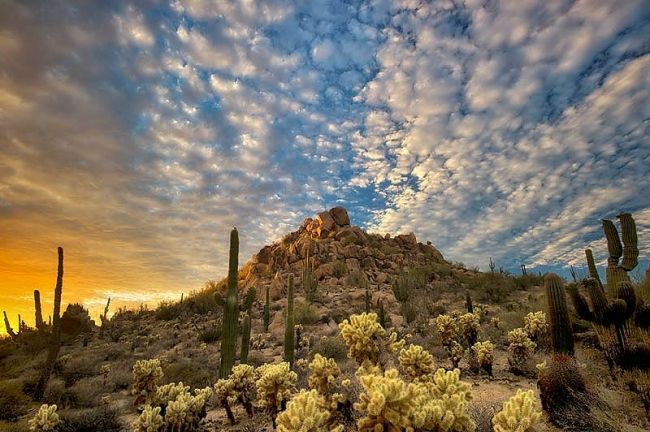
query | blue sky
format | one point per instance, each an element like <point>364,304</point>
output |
<point>492,128</point>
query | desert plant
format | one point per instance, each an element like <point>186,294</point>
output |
<point>469,324</point>
<point>13,403</point>
<point>289,325</point>
<point>274,387</point>
<point>267,310</point>
<point>323,373</point>
<point>416,363</point>
<point>146,375</point>
<point>46,419</point>
<point>38,314</point>
<point>483,355</point>
<point>331,347</point>
<point>536,326</point>
<point>519,413</point>
<point>55,342</point>
<point>307,412</point>
<point>230,310</point>
<point>363,335</point>
<point>309,281</point>
<point>103,318</point>
<point>149,420</point>
<point>560,324</point>
<point>245,338</point>
<point>520,350</point>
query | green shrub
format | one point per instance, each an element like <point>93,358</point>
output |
<point>169,311</point>
<point>195,373</point>
<point>87,392</point>
<point>340,269</point>
<point>77,367</point>
<point>524,282</point>
<point>211,334</point>
<point>7,348</point>
<point>13,402</point>
<point>103,419</point>
<point>332,347</point>
<point>304,313</point>
<point>256,358</point>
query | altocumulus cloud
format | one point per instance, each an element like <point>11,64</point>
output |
<point>138,133</point>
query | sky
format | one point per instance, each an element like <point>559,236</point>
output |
<point>136,134</point>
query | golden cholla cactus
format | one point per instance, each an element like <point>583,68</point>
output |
<point>275,384</point>
<point>363,336</point>
<point>306,412</point>
<point>395,344</point>
<point>447,328</point>
<point>441,404</point>
<point>168,392</point>
<point>519,413</point>
<point>536,325</point>
<point>483,353</point>
<point>225,394</point>
<point>416,362</point>
<point>46,419</point>
<point>470,324</point>
<point>186,411</point>
<point>146,374</point>
<point>302,363</point>
<point>323,374</point>
<point>149,420</point>
<point>520,348</point>
<point>243,387</point>
<point>387,402</point>
<point>456,353</point>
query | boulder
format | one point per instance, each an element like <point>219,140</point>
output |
<point>326,224</point>
<point>324,270</point>
<point>340,216</point>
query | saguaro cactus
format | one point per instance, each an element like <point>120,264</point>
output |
<point>561,331</point>
<point>37,311</point>
<point>593,272</point>
<point>289,330</point>
<point>230,311</point>
<point>616,274</point>
<point>468,302</point>
<point>309,281</point>
<point>630,246</point>
<point>267,310</point>
<point>104,317</point>
<point>10,331</point>
<point>55,342</point>
<point>245,338</point>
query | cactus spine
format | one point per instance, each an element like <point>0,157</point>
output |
<point>289,331</point>
<point>267,311</point>
<point>245,338</point>
<point>37,311</point>
<point>230,311</point>
<point>55,343</point>
<point>561,331</point>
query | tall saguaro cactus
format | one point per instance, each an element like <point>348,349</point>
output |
<point>561,331</point>
<point>37,311</point>
<point>630,242</point>
<point>309,281</point>
<point>593,272</point>
<point>267,310</point>
<point>10,331</point>
<point>230,311</point>
<point>289,330</point>
<point>55,342</point>
<point>245,338</point>
<point>615,273</point>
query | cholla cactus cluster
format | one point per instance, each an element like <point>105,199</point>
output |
<point>483,354</point>
<point>416,362</point>
<point>307,412</point>
<point>363,335</point>
<point>447,329</point>
<point>536,325</point>
<point>46,419</point>
<point>149,420</point>
<point>324,373</point>
<point>470,324</point>
<point>519,413</point>
<point>275,385</point>
<point>146,375</point>
<point>168,392</point>
<point>520,349</point>
<point>186,412</point>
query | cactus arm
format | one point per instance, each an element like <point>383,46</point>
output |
<point>561,331</point>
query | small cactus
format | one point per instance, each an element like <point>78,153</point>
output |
<point>40,325</point>
<point>519,413</point>
<point>468,302</point>
<point>245,338</point>
<point>149,420</point>
<point>306,412</point>
<point>45,420</point>
<point>519,350</point>
<point>267,310</point>
<point>230,311</point>
<point>289,329</point>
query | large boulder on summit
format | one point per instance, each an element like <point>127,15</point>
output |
<point>326,224</point>
<point>340,216</point>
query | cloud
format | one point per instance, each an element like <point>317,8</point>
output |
<point>136,135</point>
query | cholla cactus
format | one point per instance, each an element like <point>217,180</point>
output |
<point>149,420</point>
<point>520,349</point>
<point>441,404</point>
<point>274,387</point>
<point>456,353</point>
<point>224,393</point>
<point>302,364</point>
<point>470,324</point>
<point>363,335</point>
<point>416,362</point>
<point>168,392</point>
<point>387,402</point>
<point>536,325</point>
<point>519,413</point>
<point>483,354</point>
<point>306,412</point>
<point>46,419</point>
<point>186,412</point>
<point>243,386</point>
<point>324,372</point>
<point>447,328</point>
<point>146,374</point>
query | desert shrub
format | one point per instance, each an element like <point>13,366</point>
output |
<point>120,375</point>
<point>105,419</point>
<point>491,287</point>
<point>340,269</point>
<point>13,402</point>
<point>77,367</point>
<point>14,427</point>
<point>88,391</point>
<point>7,348</point>
<point>256,358</point>
<point>54,391</point>
<point>523,282</point>
<point>332,347</point>
<point>169,311</point>
<point>210,334</point>
<point>304,313</point>
<point>482,414</point>
<point>196,374</point>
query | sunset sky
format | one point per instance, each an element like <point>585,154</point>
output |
<point>136,134</point>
